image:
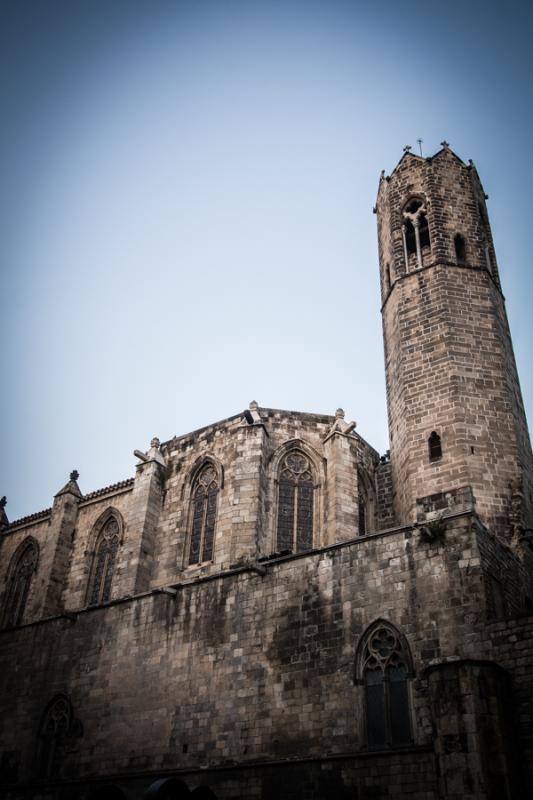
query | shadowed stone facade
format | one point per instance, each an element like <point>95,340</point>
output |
<point>268,608</point>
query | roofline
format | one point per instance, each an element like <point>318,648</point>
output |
<point>429,159</point>
<point>323,417</point>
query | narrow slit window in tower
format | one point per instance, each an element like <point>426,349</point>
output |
<point>460,248</point>
<point>435,447</point>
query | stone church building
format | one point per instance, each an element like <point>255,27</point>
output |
<point>269,608</point>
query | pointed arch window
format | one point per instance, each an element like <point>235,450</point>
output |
<point>55,729</point>
<point>105,556</point>
<point>204,514</point>
<point>385,669</point>
<point>22,571</point>
<point>415,231</point>
<point>295,504</point>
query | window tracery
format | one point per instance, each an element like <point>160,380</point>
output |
<point>104,562</point>
<point>385,669</point>
<point>204,513</point>
<point>415,231</point>
<point>55,729</point>
<point>295,503</point>
<point>24,567</point>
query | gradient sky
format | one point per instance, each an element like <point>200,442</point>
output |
<point>186,209</point>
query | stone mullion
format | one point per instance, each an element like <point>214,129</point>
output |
<point>405,253</point>
<point>416,226</point>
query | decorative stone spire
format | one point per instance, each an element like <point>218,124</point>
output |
<point>72,486</point>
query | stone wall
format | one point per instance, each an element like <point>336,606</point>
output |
<point>242,667</point>
<point>512,647</point>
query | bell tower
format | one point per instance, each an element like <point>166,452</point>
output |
<point>457,424</point>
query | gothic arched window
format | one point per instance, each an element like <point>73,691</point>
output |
<point>55,729</point>
<point>385,670</point>
<point>105,555</point>
<point>295,504</point>
<point>22,570</point>
<point>204,515</point>
<point>415,231</point>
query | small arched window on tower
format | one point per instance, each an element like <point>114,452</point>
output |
<point>384,667</point>
<point>105,554</point>
<point>22,569</point>
<point>204,514</point>
<point>460,248</point>
<point>295,504</point>
<point>415,231</point>
<point>435,447</point>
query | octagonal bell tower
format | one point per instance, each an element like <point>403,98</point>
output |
<point>456,417</point>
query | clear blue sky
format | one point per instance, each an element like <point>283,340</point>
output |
<point>186,209</point>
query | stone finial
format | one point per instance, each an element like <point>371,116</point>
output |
<point>407,148</point>
<point>252,415</point>
<point>3,502</point>
<point>71,487</point>
<point>153,454</point>
<point>340,426</point>
<point>445,144</point>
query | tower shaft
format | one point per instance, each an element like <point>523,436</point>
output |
<point>456,415</point>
